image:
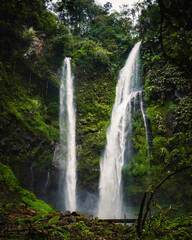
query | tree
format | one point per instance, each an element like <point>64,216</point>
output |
<point>175,32</point>
<point>107,7</point>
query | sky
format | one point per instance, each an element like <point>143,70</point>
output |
<point>117,3</point>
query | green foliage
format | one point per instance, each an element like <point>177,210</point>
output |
<point>32,202</point>
<point>180,145</point>
<point>183,120</point>
<point>135,172</point>
<point>139,169</point>
<point>44,157</point>
<point>161,82</point>
<point>140,159</point>
<point>82,229</point>
<point>99,45</point>
<point>114,33</point>
<point>94,93</point>
<point>36,42</point>
<point>27,116</point>
<point>62,43</point>
<point>168,67</point>
<point>27,194</point>
<point>91,55</point>
<point>176,34</point>
<point>7,177</point>
<point>161,117</point>
<point>53,220</point>
<point>164,228</point>
<point>167,72</point>
<point>160,152</point>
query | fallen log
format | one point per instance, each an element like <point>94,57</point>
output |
<point>124,220</point>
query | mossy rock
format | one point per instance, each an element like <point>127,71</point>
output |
<point>8,178</point>
<point>13,192</point>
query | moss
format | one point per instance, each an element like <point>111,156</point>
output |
<point>44,158</point>
<point>32,202</point>
<point>94,102</point>
<point>139,158</point>
<point>135,173</point>
<point>7,177</point>
<point>31,112</point>
<point>161,118</point>
<point>29,129</point>
<point>38,206</point>
<point>27,194</point>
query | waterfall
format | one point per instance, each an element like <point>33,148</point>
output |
<point>47,185</point>
<point>47,181</point>
<point>116,149</point>
<point>144,115</point>
<point>32,177</point>
<point>67,186</point>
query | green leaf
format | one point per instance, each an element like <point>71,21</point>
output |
<point>36,218</point>
<point>64,235</point>
<point>53,220</point>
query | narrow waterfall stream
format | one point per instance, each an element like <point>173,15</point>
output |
<point>117,149</point>
<point>67,186</point>
<point>32,177</point>
<point>145,124</point>
<point>47,185</point>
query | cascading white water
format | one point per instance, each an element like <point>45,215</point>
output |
<point>46,186</point>
<point>145,125</point>
<point>67,138</point>
<point>110,194</point>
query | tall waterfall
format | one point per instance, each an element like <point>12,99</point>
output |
<point>116,149</point>
<point>67,184</point>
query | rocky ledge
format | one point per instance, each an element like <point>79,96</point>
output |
<point>20,222</point>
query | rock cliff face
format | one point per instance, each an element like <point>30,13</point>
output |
<point>35,49</point>
<point>29,128</point>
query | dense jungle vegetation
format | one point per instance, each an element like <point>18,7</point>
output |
<point>35,36</point>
